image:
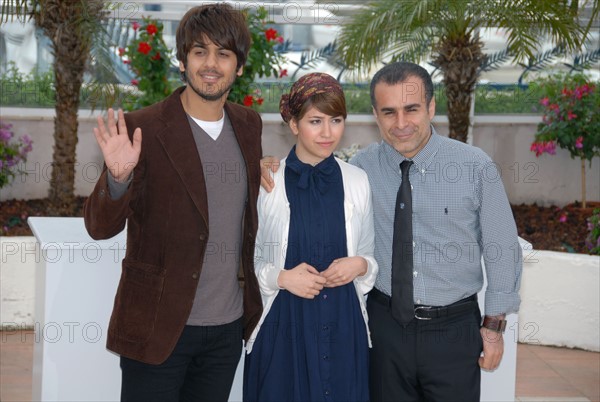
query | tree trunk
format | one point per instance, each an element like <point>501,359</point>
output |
<point>583,189</point>
<point>67,24</point>
<point>459,60</point>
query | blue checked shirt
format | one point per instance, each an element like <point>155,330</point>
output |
<point>461,214</point>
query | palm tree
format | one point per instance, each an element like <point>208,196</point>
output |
<point>448,31</point>
<point>71,26</point>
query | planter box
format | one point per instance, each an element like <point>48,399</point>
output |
<point>561,300</point>
<point>18,256</point>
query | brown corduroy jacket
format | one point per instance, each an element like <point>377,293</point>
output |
<point>166,212</point>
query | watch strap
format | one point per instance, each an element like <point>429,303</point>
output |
<point>494,324</point>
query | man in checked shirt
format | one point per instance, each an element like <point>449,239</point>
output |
<point>460,215</point>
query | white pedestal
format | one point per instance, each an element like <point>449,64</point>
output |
<point>500,385</point>
<point>76,281</point>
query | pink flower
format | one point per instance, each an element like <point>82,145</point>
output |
<point>571,115</point>
<point>539,148</point>
<point>135,25</point>
<point>579,142</point>
<point>545,101</point>
<point>135,82</point>
<point>279,39</point>
<point>562,218</point>
<point>126,62</point>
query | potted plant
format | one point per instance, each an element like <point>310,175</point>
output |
<point>570,119</point>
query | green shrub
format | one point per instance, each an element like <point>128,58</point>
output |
<point>27,90</point>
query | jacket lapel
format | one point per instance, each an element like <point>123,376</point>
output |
<point>178,142</point>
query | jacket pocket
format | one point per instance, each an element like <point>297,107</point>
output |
<point>137,300</point>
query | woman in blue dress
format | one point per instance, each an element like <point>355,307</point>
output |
<point>314,261</point>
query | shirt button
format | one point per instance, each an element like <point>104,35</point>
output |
<point>324,296</point>
<point>411,186</point>
<point>325,357</point>
<point>414,244</point>
<point>415,273</point>
<point>326,392</point>
<point>418,301</point>
<point>202,236</point>
<point>195,275</point>
<point>325,327</point>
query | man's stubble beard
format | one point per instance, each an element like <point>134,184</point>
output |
<point>210,97</point>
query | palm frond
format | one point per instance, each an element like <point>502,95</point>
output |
<point>541,61</point>
<point>531,22</point>
<point>386,27</point>
<point>415,46</point>
<point>584,61</point>
<point>23,10</point>
<point>495,60</point>
<point>310,58</point>
<point>593,16</point>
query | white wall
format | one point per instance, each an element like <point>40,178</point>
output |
<point>546,180</point>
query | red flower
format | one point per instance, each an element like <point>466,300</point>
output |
<point>126,62</point>
<point>579,142</point>
<point>283,73</point>
<point>156,56</point>
<point>151,29</point>
<point>121,52</point>
<point>135,82</point>
<point>248,100</point>
<point>135,25</point>
<point>144,48</point>
<point>271,34</point>
<point>280,39</point>
<point>260,101</point>
<point>571,115</point>
<point>545,101</point>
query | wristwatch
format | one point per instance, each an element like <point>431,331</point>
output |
<point>494,324</point>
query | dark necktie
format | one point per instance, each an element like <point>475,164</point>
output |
<point>402,254</point>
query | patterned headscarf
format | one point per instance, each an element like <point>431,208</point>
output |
<point>303,89</point>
